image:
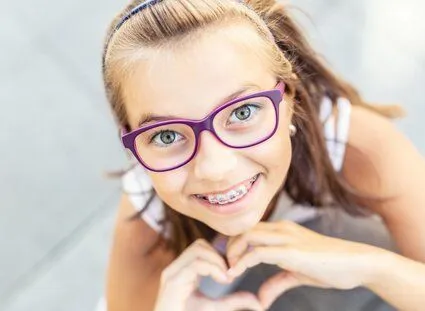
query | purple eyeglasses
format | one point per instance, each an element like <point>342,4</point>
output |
<point>240,123</point>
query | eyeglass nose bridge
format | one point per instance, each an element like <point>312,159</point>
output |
<point>204,125</point>
<point>207,124</point>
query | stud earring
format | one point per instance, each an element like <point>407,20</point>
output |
<point>292,130</point>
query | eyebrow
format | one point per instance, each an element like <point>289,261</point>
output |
<point>150,117</point>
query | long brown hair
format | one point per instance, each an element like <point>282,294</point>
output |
<point>311,179</point>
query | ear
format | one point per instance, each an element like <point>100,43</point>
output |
<point>289,95</point>
<point>292,90</point>
<point>289,101</point>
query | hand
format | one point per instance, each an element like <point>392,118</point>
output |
<point>307,258</point>
<point>179,282</point>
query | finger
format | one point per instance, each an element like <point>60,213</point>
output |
<point>204,268</point>
<point>239,301</point>
<point>279,225</point>
<point>200,249</point>
<point>239,245</point>
<point>274,287</point>
<point>266,254</point>
<point>188,275</point>
<point>213,255</point>
<point>282,227</point>
<point>261,226</point>
<point>270,226</point>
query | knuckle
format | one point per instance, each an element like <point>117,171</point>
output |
<point>200,242</point>
<point>245,237</point>
<point>201,267</point>
<point>197,264</point>
<point>285,223</point>
<point>199,245</point>
<point>288,227</point>
<point>255,252</point>
<point>196,248</point>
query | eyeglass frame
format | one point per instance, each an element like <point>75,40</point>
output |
<point>206,124</point>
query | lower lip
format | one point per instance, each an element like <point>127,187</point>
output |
<point>233,207</point>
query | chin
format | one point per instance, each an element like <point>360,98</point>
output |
<point>242,226</point>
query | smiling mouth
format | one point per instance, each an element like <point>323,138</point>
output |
<point>232,195</point>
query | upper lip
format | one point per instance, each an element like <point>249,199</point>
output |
<point>227,189</point>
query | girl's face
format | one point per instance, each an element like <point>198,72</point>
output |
<point>190,83</point>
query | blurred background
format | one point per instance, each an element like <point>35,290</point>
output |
<point>57,135</point>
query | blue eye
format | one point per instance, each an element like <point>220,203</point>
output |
<point>244,113</point>
<point>165,138</point>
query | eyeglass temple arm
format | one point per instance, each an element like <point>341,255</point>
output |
<point>121,132</point>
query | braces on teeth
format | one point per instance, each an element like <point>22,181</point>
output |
<point>231,196</point>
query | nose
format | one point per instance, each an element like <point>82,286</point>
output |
<point>214,161</point>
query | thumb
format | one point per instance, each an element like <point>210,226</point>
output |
<point>276,286</point>
<point>239,301</point>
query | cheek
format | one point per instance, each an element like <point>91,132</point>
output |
<point>275,154</point>
<point>280,144</point>
<point>169,186</point>
<point>278,157</point>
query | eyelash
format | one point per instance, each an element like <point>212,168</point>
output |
<point>152,138</point>
<point>257,106</point>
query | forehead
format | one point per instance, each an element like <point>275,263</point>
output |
<point>190,81</point>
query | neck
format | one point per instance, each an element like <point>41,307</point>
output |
<point>266,215</point>
<point>271,207</point>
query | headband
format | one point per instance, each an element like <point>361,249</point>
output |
<point>129,15</point>
<point>134,11</point>
<point>126,17</point>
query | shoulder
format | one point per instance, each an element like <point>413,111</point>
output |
<point>129,267</point>
<point>137,187</point>
<point>369,130</point>
<point>336,125</point>
<point>137,234</point>
<point>380,160</point>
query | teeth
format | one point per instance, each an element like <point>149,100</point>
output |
<point>231,196</point>
<point>220,198</point>
<point>242,190</point>
<point>253,179</point>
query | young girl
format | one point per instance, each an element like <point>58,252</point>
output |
<point>254,167</point>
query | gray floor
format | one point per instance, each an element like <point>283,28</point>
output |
<point>57,136</point>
